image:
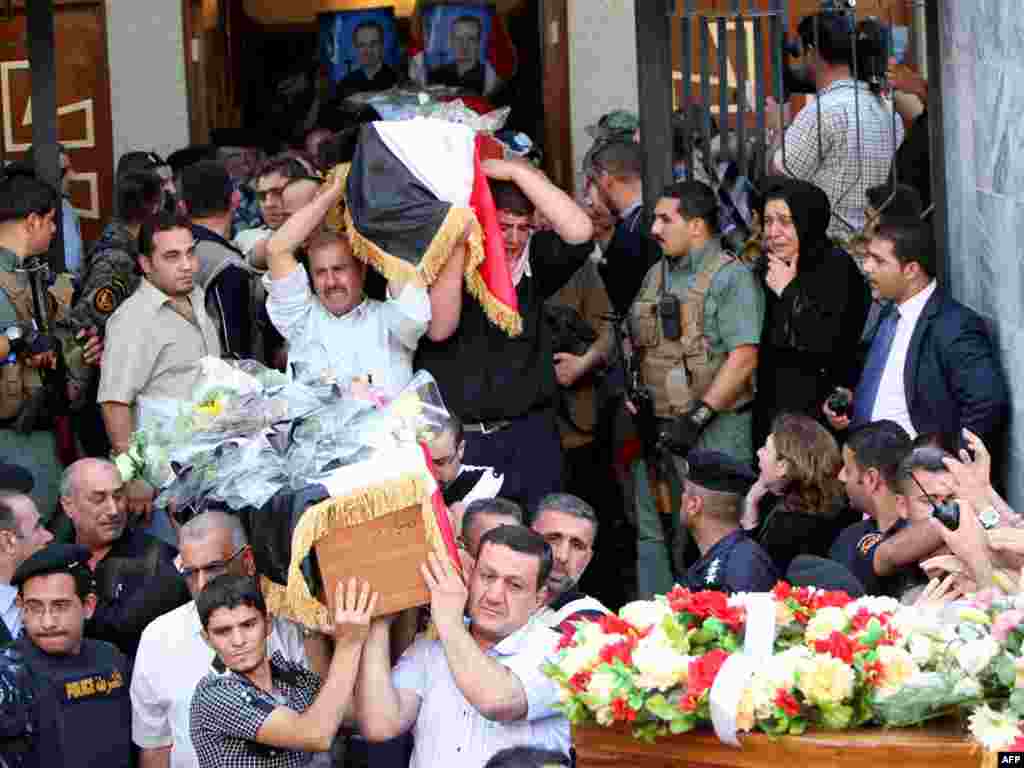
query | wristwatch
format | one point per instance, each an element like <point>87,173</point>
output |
<point>14,332</point>
<point>988,517</point>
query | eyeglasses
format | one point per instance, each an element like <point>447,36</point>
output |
<point>37,609</point>
<point>212,570</point>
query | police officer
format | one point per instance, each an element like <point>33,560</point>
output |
<point>696,325</point>
<point>27,210</point>
<point>713,493</point>
<point>80,710</point>
<point>109,277</point>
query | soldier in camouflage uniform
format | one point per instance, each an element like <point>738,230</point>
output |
<point>109,277</point>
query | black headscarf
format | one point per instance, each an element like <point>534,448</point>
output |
<point>811,212</point>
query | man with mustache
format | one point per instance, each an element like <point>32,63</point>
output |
<point>696,327</point>
<point>136,580</point>
<point>335,327</point>
<point>569,525</point>
<point>78,712</point>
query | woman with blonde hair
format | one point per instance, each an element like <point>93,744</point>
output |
<point>799,491</point>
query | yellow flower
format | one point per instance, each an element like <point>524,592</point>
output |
<point>898,666</point>
<point>1018,665</point>
<point>745,710</point>
<point>825,680</point>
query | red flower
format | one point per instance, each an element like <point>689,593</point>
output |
<point>568,635</point>
<point>613,625</point>
<point>838,645</point>
<point>689,702</point>
<point>874,673</point>
<point>706,604</point>
<point>782,590</point>
<point>787,702</point>
<point>1018,745</point>
<point>678,599</point>
<point>622,711</point>
<point>580,681</point>
<point>703,670</point>
<point>830,600</point>
<point>863,617</point>
<point>622,650</point>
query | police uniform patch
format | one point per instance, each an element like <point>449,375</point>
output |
<point>867,542</point>
<point>104,300</point>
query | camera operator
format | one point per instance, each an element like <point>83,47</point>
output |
<point>858,135</point>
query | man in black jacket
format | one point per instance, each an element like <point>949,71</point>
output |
<point>503,388</point>
<point>931,367</point>
<point>136,579</point>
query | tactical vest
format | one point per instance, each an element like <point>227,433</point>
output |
<point>679,372</point>
<point>17,381</point>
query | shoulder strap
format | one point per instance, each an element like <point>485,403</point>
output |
<point>700,288</point>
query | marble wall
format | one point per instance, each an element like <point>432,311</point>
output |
<point>982,52</point>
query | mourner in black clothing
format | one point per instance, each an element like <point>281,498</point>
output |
<point>817,303</point>
<point>501,387</point>
<point>797,506</point>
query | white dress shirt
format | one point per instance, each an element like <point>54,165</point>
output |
<point>9,613</point>
<point>450,732</point>
<point>891,402</point>
<point>377,338</point>
<point>172,658</point>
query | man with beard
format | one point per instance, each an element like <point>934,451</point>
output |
<point>569,526</point>
<point>136,580</point>
<point>79,712</point>
<point>261,711</point>
<point>479,687</point>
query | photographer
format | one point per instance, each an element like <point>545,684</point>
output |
<point>853,147</point>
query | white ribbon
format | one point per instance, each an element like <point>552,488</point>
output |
<point>732,678</point>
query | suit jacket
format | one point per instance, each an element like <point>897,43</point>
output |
<point>629,255</point>
<point>952,377</point>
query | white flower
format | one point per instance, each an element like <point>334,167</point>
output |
<point>644,613</point>
<point>602,687</point>
<point>658,664</point>
<point>605,715</point>
<point>975,655</point>
<point>875,604</point>
<point>993,730</point>
<point>967,686</point>
<point>825,679</point>
<point>125,466</point>
<point>923,650</point>
<point>824,623</point>
<point>585,651</point>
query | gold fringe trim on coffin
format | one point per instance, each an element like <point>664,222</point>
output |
<point>295,601</point>
<point>446,238</point>
<point>335,219</point>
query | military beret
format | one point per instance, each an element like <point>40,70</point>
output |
<point>720,472</point>
<point>812,571</point>
<point>53,558</point>
<point>14,477</point>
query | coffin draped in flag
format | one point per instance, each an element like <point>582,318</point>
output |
<point>413,189</point>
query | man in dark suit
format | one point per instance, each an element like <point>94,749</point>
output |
<point>931,366</point>
<point>372,74</point>
<point>614,176</point>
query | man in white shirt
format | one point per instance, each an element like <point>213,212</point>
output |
<point>479,688</point>
<point>21,534</point>
<point>334,327</point>
<point>173,656</point>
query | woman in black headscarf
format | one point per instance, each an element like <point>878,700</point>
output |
<point>817,303</point>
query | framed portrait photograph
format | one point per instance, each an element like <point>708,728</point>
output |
<point>455,37</point>
<point>360,49</point>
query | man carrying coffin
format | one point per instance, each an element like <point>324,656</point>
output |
<point>334,325</point>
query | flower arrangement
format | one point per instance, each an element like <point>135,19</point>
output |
<point>837,663</point>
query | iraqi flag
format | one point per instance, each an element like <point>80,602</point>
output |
<point>413,188</point>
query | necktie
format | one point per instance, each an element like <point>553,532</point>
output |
<point>871,377</point>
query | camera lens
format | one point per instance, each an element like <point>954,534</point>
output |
<point>947,513</point>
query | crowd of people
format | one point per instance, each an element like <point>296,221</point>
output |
<point>673,412</point>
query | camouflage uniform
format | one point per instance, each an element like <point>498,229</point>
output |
<point>108,279</point>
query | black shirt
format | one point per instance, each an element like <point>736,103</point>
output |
<point>135,583</point>
<point>483,373</point>
<point>784,534</point>
<point>735,563</point>
<point>474,80</point>
<point>627,259</point>
<point>82,710</point>
<point>357,81</point>
<point>855,548</point>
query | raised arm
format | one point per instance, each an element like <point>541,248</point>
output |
<point>568,219</point>
<point>382,710</point>
<point>299,226</point>
<point>446,297</point>
<point>493,689</point>
<point>314,729</point>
